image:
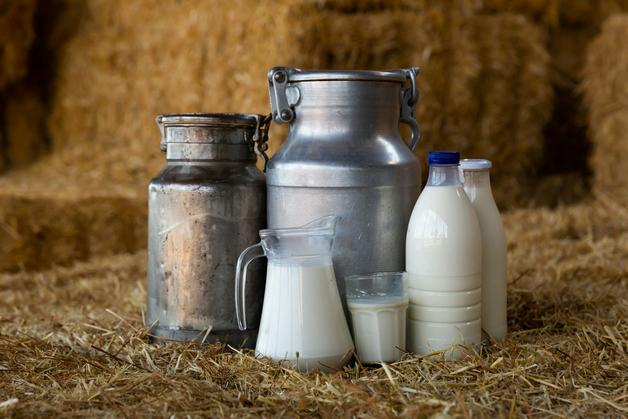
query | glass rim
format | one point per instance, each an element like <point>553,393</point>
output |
<point>371,275</point>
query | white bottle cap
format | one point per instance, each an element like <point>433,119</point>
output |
<point>475,164</point>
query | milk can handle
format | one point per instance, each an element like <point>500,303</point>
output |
<point>260,137</point>
<point>281,109</point>
<point>409,97</point>
<point>246,257</point>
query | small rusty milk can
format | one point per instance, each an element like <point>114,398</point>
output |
<point>205,207</point>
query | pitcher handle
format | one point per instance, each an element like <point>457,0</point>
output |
<point>246,257</point>
<point>409,99</point>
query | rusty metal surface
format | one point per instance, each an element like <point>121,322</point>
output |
<point>204,209</point>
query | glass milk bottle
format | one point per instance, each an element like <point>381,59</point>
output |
<point>477,185</point>
<point>443,263</point>
<point>303,322</point>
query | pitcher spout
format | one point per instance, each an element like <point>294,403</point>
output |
<point>323,226</point>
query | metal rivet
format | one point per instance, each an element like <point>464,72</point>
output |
<point>286,114</point>
<point>280,77</point>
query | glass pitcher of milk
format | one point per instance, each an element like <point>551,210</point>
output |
<point>303,322</point>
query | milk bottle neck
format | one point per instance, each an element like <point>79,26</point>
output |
<point>444,175</point>
<point>477,178</point>
<point>477,184</point>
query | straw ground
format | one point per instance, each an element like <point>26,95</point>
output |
<point>73,342</point>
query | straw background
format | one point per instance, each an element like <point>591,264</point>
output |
<point>539,87</point>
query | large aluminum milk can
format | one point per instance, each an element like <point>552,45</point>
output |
<point>344,156</point>
<point>205,207</point>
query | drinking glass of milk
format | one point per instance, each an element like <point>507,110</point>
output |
<point>378,303</point>
<point>303,322</point>
<point>444,263</point>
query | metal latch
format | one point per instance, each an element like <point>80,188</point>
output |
<point>409,97</point>
<point>260,137</point>
<point>282,96</point>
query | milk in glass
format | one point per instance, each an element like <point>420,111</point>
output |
<point>379,329</point>
<point>443,263</point>
<point>477,185</point>
<point>378,303</point>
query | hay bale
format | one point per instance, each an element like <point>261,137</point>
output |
<point>16,38</point>
<point>606,94</point>
<point>555,13</point>
<point>110,75</point>
<point>513,97</point>
<point>545,11</point>
<point>23,124</point>
<point>590,12</point>
<point>58,211</point>
<point>41,231</point>
<point>359,6</point>
<point>121,94</point>
<point>115,75</point>
<point>571,25</point>
<point>485,83</point>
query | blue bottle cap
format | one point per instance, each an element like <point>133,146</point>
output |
<point>443,157</point>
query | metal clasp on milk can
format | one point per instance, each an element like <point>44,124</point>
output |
<point>283,97</point>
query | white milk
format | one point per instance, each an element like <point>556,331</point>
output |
<point>477,185</point>
<point>443,264</point>
<point>302,320</point>
<point>379,328</point>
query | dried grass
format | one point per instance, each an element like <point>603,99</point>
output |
<point>606,94</point>
<point>72,343</point>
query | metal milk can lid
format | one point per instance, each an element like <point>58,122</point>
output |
<point>284,94</point>
<point>192,132</point>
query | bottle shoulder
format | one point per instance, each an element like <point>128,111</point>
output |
<point>444,198</point>
<point>485,205</point>
<point>444,212</point>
